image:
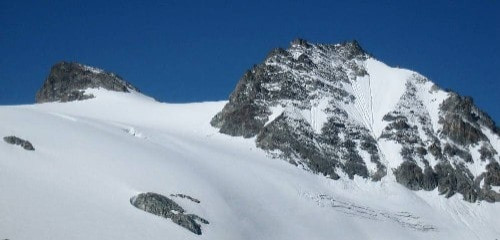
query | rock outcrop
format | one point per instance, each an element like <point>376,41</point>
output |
<point>68,81</point>
<point>18,141</point>
<point>165,207</point>
<point>462,120</point>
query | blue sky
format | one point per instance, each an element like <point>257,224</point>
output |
<point>180,51</point>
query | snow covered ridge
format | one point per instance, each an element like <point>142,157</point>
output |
<point>335,110</point>
<point>68,81</point>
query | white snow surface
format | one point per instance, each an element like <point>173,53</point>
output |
<point>92,156</point>
<point>377,93</point>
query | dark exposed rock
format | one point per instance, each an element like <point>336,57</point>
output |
<point>355,166</point>
<point>295,144</point>
<point>430,180</point>
<point>489,195</point>
<point>304,59</point>
<point>407,153</point>
<point>465,184</point>
<point>492,177</point>
<point>452,180</point>
<point>462,119</point>
<point>369,144</point>
<point>399,124</point>
<point>392,117</point>
<point>448,179</point>
<point>464,106</point>
<point>249,117</point>
<point>410,175</point>
<point>165,207</point>
<point>460,131</point>
<point>421,151</point>
<point>67,82</point>
<point>380,173</point>
<point>452,151</point>
<point>435,150</point>
<point>18,141</point>
<point>352,49</point>
<point>487,152</point>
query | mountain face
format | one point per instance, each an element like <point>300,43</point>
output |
<point>68,82</point>
<point>335,110</point>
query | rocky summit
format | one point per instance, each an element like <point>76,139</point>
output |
<point>335,110</point>
<point>68,81</point>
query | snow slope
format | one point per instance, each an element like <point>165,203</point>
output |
<point>92,156</point>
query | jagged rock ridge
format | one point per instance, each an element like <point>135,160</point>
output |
<point>335,110</point>
<point>68,81</point>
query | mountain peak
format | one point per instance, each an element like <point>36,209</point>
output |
<point>67,81</point>
<point>335,110</point>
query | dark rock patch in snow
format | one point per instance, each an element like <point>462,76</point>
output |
<point>165,207</point>
<point>452,151</point>
<point>18,141</point>
<point>462,120</point>
<point>487,152</point>
<point>493,174</point>
<point>456,178</point>
<point>490,178</point>
<point>449,179</point>
<point>410,175</point>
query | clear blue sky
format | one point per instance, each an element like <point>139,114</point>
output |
<point>197,51</point>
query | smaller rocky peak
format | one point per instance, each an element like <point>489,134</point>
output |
<point>67,81</point>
